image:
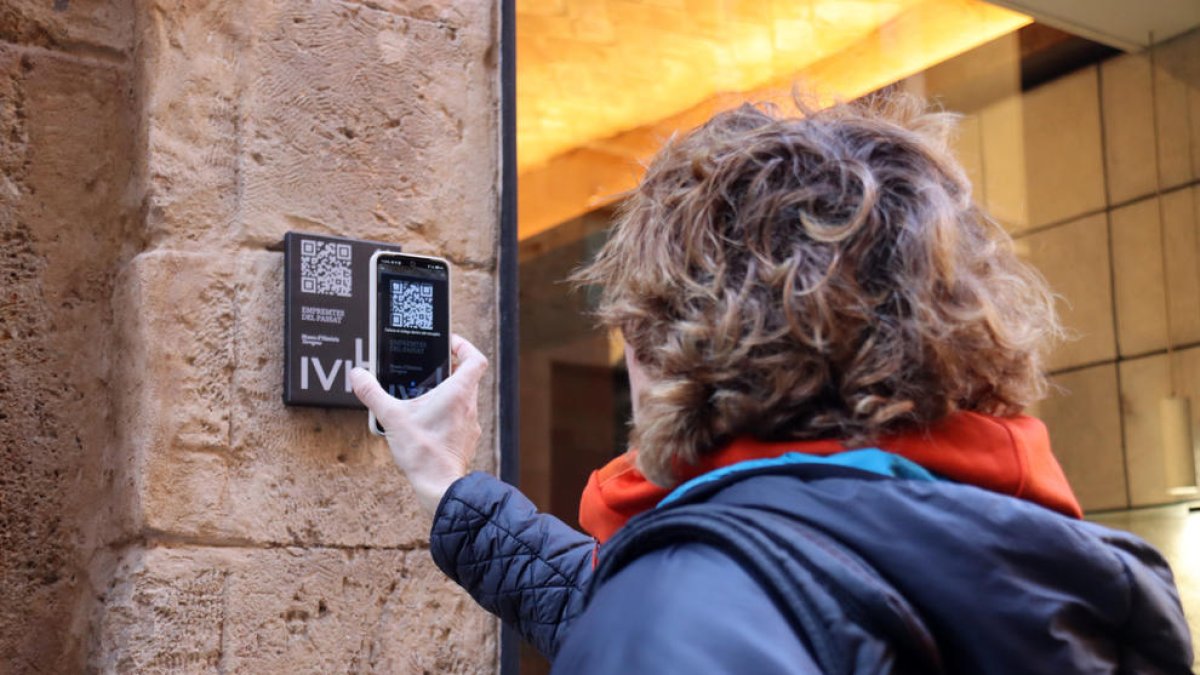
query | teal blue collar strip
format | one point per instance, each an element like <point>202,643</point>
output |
<point>867,459</point>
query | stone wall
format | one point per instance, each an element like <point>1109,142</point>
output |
<point>162,510</point>
<point>68,222</point>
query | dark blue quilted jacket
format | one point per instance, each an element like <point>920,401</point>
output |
<point>819,569</point>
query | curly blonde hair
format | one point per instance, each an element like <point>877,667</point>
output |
<point>824,275</point>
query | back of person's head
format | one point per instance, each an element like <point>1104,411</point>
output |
<point>824,275</point>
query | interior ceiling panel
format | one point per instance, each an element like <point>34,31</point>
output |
<point>1124,24</point>
<point>600,83</point>
<point>592,68</point>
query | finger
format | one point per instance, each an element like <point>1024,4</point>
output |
<point>368,391</point>
<point>471,362</point>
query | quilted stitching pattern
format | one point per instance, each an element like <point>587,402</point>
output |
<point>526,567</point>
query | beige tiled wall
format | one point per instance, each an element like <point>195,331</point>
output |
<point>1003,143</point>
<point>1073,170</point>
<point>1074,259</point>
<point>968,146</point>
<point>1063,160</point>
<point>1085,432</point>
<point>1138,264</point>
<point>1145,382</point>
<point>1137,269</point>
<point>1181,213</point>
<point>1129,127</point>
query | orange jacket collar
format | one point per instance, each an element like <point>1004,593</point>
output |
<point>1009,455</point>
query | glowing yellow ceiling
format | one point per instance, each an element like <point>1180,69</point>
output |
<point>602,81</point>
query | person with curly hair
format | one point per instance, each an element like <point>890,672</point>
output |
<point>830,347</point>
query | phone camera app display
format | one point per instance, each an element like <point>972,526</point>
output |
<point>412,339</point>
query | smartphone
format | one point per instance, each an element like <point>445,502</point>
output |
<point>410,324</point>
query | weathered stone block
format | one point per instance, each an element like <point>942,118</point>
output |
<point>196,609</point>
<point>190,53</point>
<point>65,164</point>
<point>75,25</point>
<point>475,316</point>
<point>219,455</point>
<point>376,123</point>
<point>145,405</point>
<point>176,314</point>
<point>356,119</point>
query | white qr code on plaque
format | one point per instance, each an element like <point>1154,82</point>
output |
<point>325,268</point>
<point>412,305</point>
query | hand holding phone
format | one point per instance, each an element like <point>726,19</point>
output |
<point>432,438</point>
<point>409,325</point>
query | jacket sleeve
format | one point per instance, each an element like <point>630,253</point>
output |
<point>526,567</point>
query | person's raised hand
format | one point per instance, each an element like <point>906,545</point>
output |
<point>432,437</point>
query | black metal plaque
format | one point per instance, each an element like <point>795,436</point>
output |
<point>326,305</point>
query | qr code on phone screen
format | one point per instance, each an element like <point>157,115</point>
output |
<point>412,305</point>
<point>325,268</point>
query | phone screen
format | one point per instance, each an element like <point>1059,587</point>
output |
<point>413,324</point>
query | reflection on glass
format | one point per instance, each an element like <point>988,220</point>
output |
<point>1088,153</point>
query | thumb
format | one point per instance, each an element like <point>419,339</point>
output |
<point>471,362</point>
<point>368,391</point>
